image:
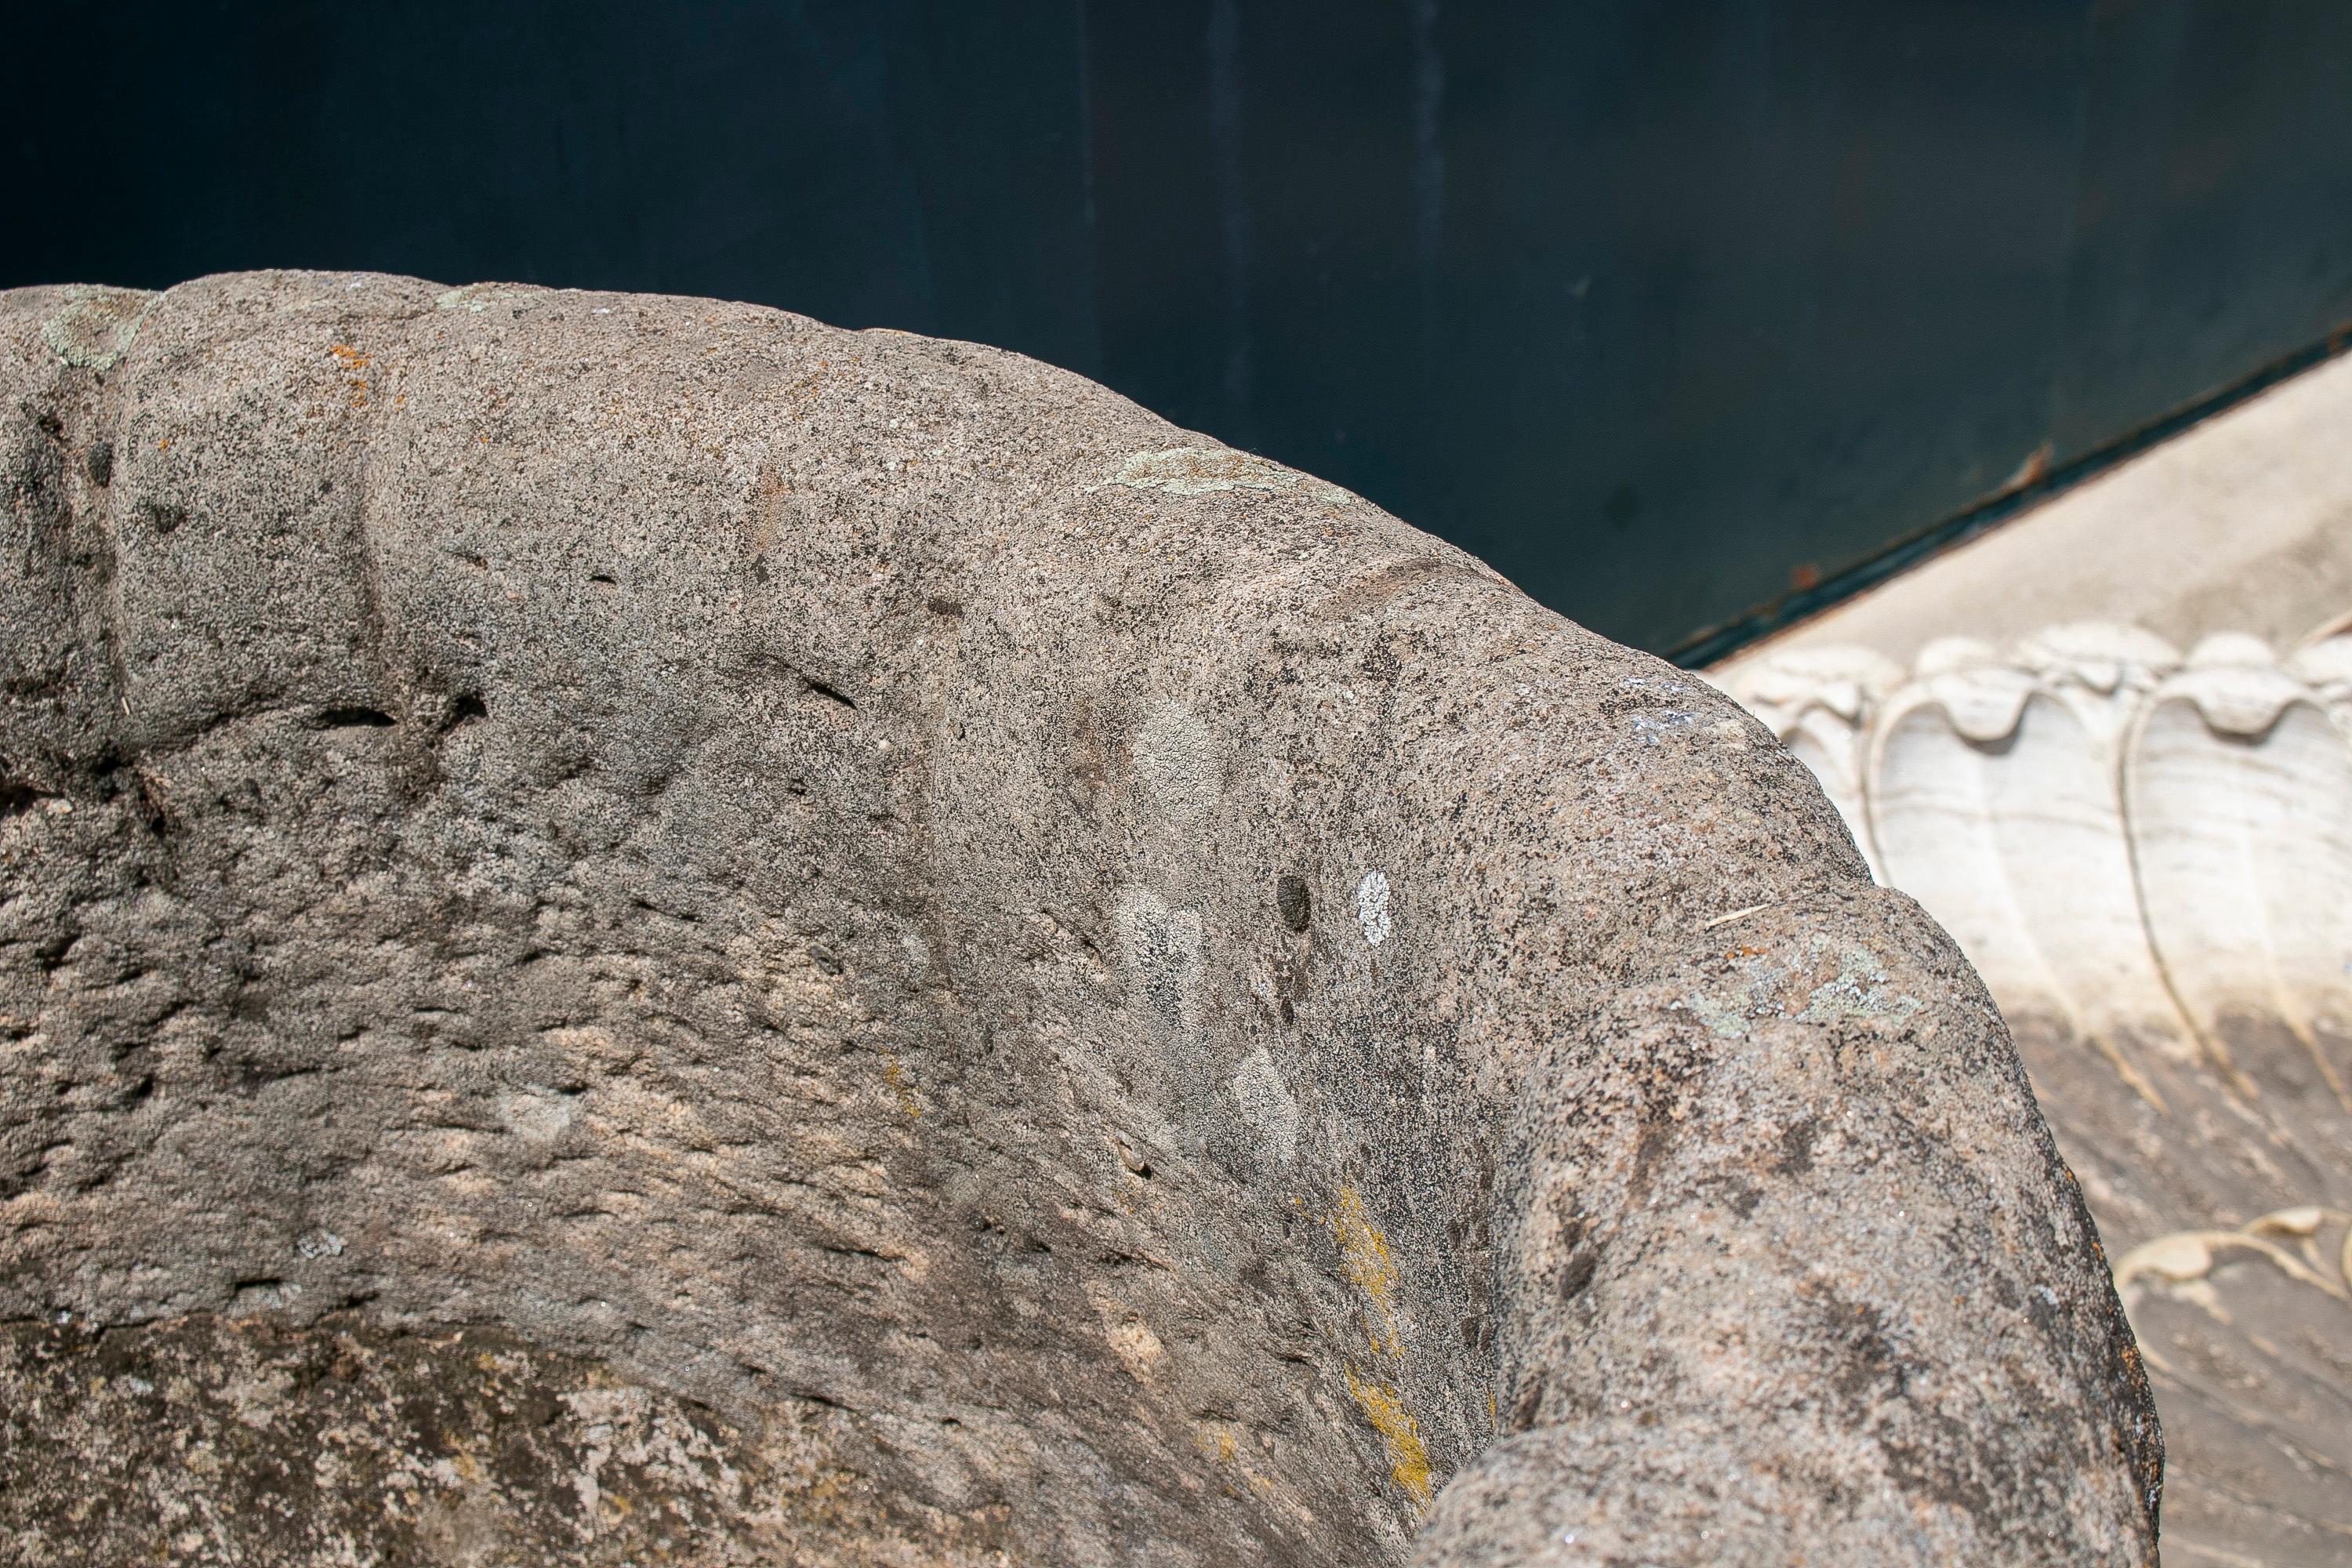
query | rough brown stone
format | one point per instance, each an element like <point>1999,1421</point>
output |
<point>258,1442</point>
<point>1094,995</point>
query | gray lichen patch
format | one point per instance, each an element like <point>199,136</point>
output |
<point>1272,1108</point>
<point>1814,980</point>
<point>1163,949</point>
<point>1203,470</point>
<point>254,1442</point>
<point>96,326</point>
<point>1177,763</point>
<point>1860,989</point>
<point>477,298</point>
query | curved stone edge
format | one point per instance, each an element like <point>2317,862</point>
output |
<point>1638,1054</point>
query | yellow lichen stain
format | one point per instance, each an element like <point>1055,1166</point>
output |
<point>828,1497</point>
<point>354,364</point>
<point>1367,1264</point>
<point>1408,1460</point>
<point>902,1086</point>
<point>1215,1440</point>
<point>1364,1258</point>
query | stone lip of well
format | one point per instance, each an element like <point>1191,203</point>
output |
<point>636,925</point>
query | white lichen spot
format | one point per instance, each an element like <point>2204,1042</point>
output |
<point>1372,908</point>
<point>319,1244</point>
<point>1664,721</point>
<point>1272,1108</point>
<point>1203,470</point>
<point>1754,988</point>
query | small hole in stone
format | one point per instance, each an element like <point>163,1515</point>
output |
<point>1292,901</point>
<point>352,718</point>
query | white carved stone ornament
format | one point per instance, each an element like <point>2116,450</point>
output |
<point>2148,859</point>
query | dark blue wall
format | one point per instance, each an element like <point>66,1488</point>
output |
<point>1662,306</point>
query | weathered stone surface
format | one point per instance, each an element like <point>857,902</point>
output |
<point>255,1441</point>
<point>964,954</point>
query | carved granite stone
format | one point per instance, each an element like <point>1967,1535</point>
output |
<point>639,929</point>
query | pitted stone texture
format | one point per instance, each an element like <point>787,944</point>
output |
<point>254,1442</point>
<point>768,867</point>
